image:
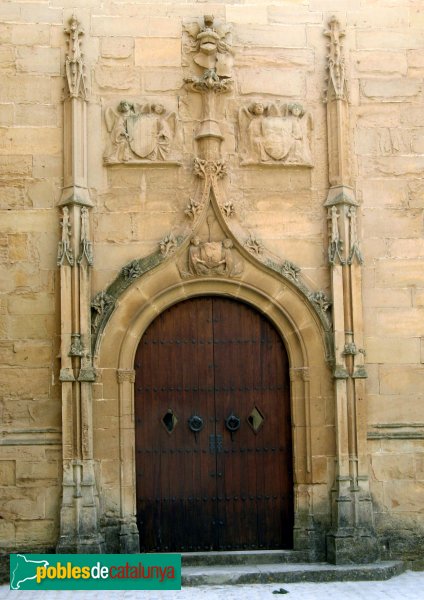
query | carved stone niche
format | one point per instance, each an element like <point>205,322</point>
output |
<point>140,133</point>
<point>275,134</point>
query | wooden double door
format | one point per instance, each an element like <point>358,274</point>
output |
<point>213,430</point>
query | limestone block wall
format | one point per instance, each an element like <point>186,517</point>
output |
<point>387,66</point>
<point>30,179</point>
<point>133,51</point>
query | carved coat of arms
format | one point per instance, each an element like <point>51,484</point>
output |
<point>275,134</point>
<point>137,132</point>
<point>211,258</point>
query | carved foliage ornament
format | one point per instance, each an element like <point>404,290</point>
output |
<point>209,81</point>
<point>74,62</point>
<point>168,245</point>
<point>321,300</point>
<point>132,270</point>
<point>139,132</point>
<point>100,305</point>
<point>193,209</point>
<point>275,134</point>
<point>253,245</point>
<point>213,168</point>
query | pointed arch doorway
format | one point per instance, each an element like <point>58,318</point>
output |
<point>213,430</point>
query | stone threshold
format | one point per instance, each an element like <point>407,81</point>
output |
<point>243,557</point>
<point>283,572</point>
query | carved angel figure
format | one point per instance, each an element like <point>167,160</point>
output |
<point>212,44</point>
<point>275,133</point>
<point>139,132</point>
<point>212,258</point>
<point>301,125</point>
<point>117,125</point>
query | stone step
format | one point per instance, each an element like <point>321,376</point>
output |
<point>288,573</point>
<point>242,557</point>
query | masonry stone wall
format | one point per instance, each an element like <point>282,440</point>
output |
<point>133,51</point>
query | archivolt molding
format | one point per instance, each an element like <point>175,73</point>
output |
<point>236,254</point>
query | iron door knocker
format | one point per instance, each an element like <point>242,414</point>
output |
<point>232,423</point>
<point>196,424</point>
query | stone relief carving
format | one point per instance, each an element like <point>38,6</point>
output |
<point>213,168</point>
<point>335,247</point>
<point>254,245</point>
<point>193,209</point>
<point>209,81</point>
<point>275,134</point>
<point>210,41</point>
<point>132,270</point>
<point>139,132</point>
<point>64,252</point>
<point>86,246</point>
<point>290,270</point>
<point>272,133</point>
<point>228,209</point>
<point>76,349</point>
<point>354,251</point>
<point>321,300</point>
<point>74,61</point>
<point>211,258</point>
<point>168,245</point>
<point>350,349</point>
<point>99,307</point>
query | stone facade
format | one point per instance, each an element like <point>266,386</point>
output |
<point>134,137</point>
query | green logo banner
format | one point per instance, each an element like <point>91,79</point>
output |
<point>95,571</point>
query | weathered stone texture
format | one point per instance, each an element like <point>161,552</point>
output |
<point>137,51</point>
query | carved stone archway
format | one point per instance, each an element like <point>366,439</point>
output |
<point>305,340</point>
<point>214,255</point>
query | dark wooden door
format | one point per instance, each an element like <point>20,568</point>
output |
<point>213,430</point>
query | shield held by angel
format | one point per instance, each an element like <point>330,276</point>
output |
<point>143,131</point>
<point>274,133</point>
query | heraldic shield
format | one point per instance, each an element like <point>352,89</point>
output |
<point>278,139</point>
<point>143,134</point>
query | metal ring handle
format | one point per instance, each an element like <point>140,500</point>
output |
<point>196,423</point>
<point>232,422</point>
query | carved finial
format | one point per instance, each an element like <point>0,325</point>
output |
<point>74,62</point>
<point>337,84</point>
